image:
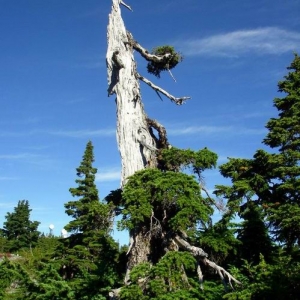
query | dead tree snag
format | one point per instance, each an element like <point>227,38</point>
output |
<point>139,147</point>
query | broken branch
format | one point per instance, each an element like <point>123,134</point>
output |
<point>178,101</point>
<point>144,52</point>
<point>124,4</point>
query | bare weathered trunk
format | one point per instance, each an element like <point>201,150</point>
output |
<point>136,146</point>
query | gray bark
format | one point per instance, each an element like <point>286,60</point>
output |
<point>136,145</point>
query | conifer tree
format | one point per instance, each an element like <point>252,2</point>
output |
<point>272,180</point>
<point>81,210</point>
<point>18,229</point>
<point>282,169</point>
<point>265,193</point>
<point>88,256</point>
<point>253,231</point>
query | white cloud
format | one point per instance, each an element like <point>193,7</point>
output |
<point>198,129</point>
<point>14,134</point>
<point>20,156</point>
<point>3,178</point>
<point>25,121</point>
<point>30,158</point>
<point>83,133</point>
<point>111,174</point>
<point>190,130</point>
<point>7,205</point>
<point>268,40</point>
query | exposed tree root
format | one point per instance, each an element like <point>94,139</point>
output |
<point>200,255</point>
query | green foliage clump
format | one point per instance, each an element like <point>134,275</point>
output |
<point>168,63</point>
<point>174,159</point>
<point>173,277</point>
<point>267,281</point>
<point>8,276</point>
<point>45,284</point>
<point>219,241</point>
<point>164,281</point>
<point>168,196</point>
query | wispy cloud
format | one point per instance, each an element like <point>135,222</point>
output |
<point>268,40</point>
<point>14,134</point>
<point>20,156</point>
<point>112,174</point>
<point>83,133</point>
<point>30,158</point>
<point>253,115</point>
<point>4,178</point>
<point>26,121</point>
<point>183,130</point>
<point>197,129</point>
<point>8,205</point>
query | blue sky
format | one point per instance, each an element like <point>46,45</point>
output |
<point>53,87</point>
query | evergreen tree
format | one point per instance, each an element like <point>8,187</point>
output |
<point>272,180</point>
<point>265,193</point>
<point>19,230</point>
<point>253,235</point>
<point>88,256</point>
<point>84,210</point>
<point>283,169</point>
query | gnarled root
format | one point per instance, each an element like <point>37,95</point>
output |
<point>200,255</point>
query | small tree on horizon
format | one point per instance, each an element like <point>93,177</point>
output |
<point>19,230</point>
